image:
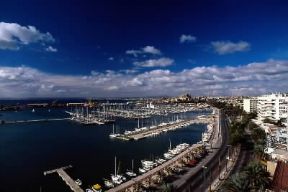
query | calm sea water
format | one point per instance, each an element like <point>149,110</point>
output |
<point>27,150</point>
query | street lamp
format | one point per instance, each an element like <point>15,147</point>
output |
<point>219,167</point>
<point>210,177</point>
<point>204,176</point>
<point>210,181</point>
<point>228,157</point>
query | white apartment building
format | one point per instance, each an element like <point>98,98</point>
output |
<point>250,105</point>
<point>273,106</point>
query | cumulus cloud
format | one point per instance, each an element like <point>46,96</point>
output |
<point>161,62</point>
<point>228,47</point>
<point>145,50</point>
<point>151,50</point>
<point>14,36</point>
<point>249,79</point>
<point>51,49</point>
<point>187,38</point>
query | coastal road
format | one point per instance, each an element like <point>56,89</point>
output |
<point>199,179</point>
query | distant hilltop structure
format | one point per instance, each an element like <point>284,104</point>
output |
<point>179,99</point>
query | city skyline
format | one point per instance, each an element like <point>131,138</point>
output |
<point>142,48</point>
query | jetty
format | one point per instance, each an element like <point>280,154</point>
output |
<point>137,135</point>
<point>65,177</point>
<point>33,120</point>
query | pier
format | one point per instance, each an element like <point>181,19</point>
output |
<point>68,180</point>
<point>33,120</point>
<point>162,128</point>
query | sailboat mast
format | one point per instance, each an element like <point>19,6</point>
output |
<point>138,123</point>
<point>115,166</point>
<point>87,114</point>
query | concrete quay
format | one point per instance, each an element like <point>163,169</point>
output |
<point>162,128</point>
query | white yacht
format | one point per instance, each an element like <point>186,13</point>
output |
<point>131,173</point>
<point>113,134</point>
<point>141,170</point>
<point>108,183</point>
<point>116,178</point>
<point>78,182</point>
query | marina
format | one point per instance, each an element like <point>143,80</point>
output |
<point>143,96</point>
<point>156,170</point>
<point>141,133</point>
<point>108,112</point>
<point>52,134</point>
<point>185,153</point>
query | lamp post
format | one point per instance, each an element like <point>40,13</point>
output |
<point>204,176</point>
<point>219,167</point>
<point>210,181</point>
<point>228,157</point>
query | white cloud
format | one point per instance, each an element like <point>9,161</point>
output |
<point>151,50</point>
<point>51,49</point>
<point>228,47</point>
<point>145,50</point>
<point>133,52</point>
<point>187,38</point>
<point>249,79</point>
<point>111,58</point>
<point>13,36</point>
<point>161,62</point>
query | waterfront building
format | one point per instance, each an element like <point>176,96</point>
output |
<point>250,105</point>
<point>273,106</point>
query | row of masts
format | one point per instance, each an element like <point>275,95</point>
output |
<point>153,123</point>
<point>128,110</point>
<point>86,116</point>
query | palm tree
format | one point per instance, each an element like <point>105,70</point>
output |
<point>258,176</point>
<point>259,136</point>
<point>237,183</point>
<point>168,187</point>
<point>259,151</point>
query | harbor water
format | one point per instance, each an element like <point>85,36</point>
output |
<point>29,149</point>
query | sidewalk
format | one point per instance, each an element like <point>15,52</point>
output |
<point>225,172</point>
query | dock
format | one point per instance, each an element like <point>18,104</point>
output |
<point>146,176</point>
<point>34,120</point>
<point>161,128</point>
<point>68,180</point>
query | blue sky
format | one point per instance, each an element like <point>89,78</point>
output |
<point>142,47</point>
